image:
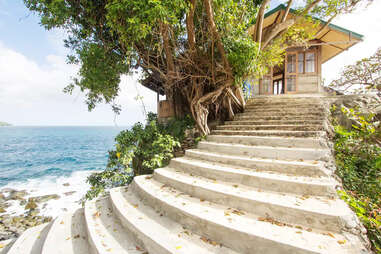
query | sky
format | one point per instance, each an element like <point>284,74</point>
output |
<point>33,71</point>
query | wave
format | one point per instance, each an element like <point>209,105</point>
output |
<point>70,195</point>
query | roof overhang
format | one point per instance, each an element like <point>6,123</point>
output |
<point>333,39</point>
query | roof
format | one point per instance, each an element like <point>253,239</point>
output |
<point>333,39</point>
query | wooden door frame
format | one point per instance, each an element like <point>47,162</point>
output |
<point>286,73</point>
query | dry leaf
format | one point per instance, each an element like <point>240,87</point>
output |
<point>97,214</point>
<point>178,247</point>
<point>342,241</point>
<point>62,222</point>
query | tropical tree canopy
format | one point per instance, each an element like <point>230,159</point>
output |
<point>200,51</point>
<point>365,73</point>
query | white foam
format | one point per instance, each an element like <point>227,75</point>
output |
<point>52,185</point>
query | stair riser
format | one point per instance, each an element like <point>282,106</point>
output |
<point>284,110</point>
<point>285,115</point>
<point>267,134</point>
<point>267,152</point>
<point>285,168</point>
<point>283,105</point>
<point>262,183</point>
<point>232,238</point>
<point>269,141</point>
<point>273,122</point>
<point>272,127</point>
<point>286,214</point>
<point>259,117</point>
<point>139,236</point>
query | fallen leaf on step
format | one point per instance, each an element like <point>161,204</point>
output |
<point>109,250</point>
<point>138,248</point>
<point>148,177</point>
<point>178,247</point>
<point>227,213</point>
<point>309,229</point>
<point>329,234</point>
<point>76,236</point>
<point>235,185</point>
<point>186,232</point>
<point>342,241</point>
<point>202,200</point>
<point>298,232</point>
<point>62,222</point>
<point>68,238</point>
<point>238,212</point>
<point>262,219</point>
<point>2,246</point>
<point>136,206</point>
<point>97,214</point>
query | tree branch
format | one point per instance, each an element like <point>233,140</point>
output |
<point>287,11</point>
<point>216,34</point>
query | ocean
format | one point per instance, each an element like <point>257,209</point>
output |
<point>53,160</point>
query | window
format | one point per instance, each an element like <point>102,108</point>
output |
<point>291,63</point>
<point>291,83</point>
<point>301,62</point>
<point>310,62</point>
<point>266,85</point>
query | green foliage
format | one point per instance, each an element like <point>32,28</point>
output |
<point>139,151</point>
<point>358,159</point>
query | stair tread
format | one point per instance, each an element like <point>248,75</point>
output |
<point>67,235</point>
<point>234,146</point>
<point>268,137</point>
<point>105,231</point>
<point>321,205</point>
<point>245,157</point>
<point>237,221</point>
<point>257,173</point>
<point>31,241</point>
<point>158,228</point>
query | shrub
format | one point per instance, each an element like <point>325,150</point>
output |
<point>358,159</point>
<point>139,151</point>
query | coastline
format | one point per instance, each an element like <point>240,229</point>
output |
<point>30,203</point>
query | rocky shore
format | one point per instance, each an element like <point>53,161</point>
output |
<point>12,224</point>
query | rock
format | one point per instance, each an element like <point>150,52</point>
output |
<point>45,198</point>
<point>66,184</point>
<point>31,205</point>
<point>69,193</point>
<point>17,195</point>
<point>2,197</point>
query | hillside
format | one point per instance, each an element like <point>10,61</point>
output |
<point>4,124</point>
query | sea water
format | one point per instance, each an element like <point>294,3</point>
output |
<point>53,160</point>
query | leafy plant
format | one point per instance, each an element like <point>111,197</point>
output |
<point>139,151</point>
<point>358,159</point>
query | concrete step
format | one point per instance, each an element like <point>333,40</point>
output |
<point>310,211</point>
<point>6,245</point>
<point>31,241</point>
<point>67,235</point>
<point>272,127</point>
<point>269,141</point>
<point>157,233</point>
<point>105,232</point>
<point>283,105</point>
<point>298,168</point>
<point>275,122</point>
<point>282,114</point>
<point>284,110</point>
<point>284,117</point>
<point>243,232</point>
<point>269,133</point>
<point>268,181</point>
<point>269,152</point>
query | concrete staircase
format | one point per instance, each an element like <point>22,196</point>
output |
<point>259,184</point>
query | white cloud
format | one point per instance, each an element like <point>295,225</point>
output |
<point>31,94</point>
<point>366,22</point>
